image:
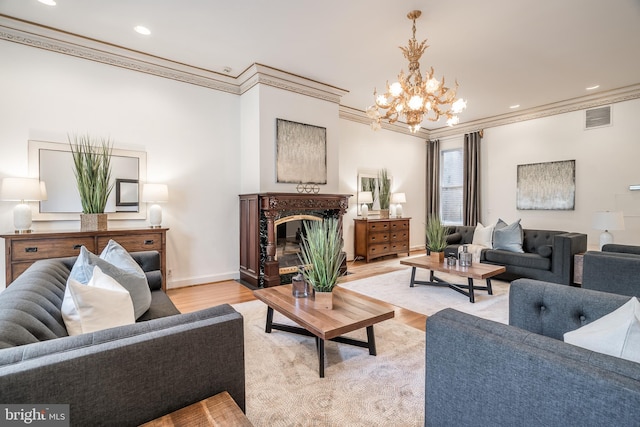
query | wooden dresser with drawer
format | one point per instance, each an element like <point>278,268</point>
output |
<point>380,237</point>
<point>22,250</point>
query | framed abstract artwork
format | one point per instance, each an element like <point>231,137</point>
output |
<point>547,186</point>
<point>301,153</point>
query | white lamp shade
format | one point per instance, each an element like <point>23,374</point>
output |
<point>365,197</point>
<point>608,221</point>
<point>21,189</point>
<point>156,193</point>
<point>398,198</point>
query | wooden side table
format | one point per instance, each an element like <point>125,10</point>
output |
<point>219,410</point>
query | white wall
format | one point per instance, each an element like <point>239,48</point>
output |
<point>606,164</point>
<point>190,135</point>
<point>250,141</point>
<point>281,104</point>
<point>404,157</point>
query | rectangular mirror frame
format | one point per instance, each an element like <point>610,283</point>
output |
<point>374,208</point>
<point>34,171</point>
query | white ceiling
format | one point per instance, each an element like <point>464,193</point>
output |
<point>502,52</point>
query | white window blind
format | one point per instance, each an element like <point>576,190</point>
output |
<point>451,164</point>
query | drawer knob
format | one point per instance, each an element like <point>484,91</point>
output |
<point>148,242</point>
<point>78,246</point>
<point>31,249</point>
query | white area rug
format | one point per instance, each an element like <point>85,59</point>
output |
<point>394,289</point>
<point>283,387</point>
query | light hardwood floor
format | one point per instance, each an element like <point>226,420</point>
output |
<point>193,298</point>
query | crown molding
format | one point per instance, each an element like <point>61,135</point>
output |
<point>269,76</point>
<point>51,39</point>
<point>613,96</point>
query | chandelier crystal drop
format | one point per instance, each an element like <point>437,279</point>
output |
<point>414,97</point>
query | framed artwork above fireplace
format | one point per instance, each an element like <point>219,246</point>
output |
<point>301,153</point>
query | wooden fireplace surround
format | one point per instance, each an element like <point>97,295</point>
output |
<point>258,215</point>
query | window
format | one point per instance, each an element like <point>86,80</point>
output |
<point>451,186</point>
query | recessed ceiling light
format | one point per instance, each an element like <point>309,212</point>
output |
<point>48,2</point>
<point>514,106</point>
<point>593,87</point>
<point>142,30</point>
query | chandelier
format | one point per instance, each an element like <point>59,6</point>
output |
<point>413,96</point>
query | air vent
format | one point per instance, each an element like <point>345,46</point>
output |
<point>598,117</point>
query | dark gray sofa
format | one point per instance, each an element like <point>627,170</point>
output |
<point>483,373</point>
<point>557,267</point>
<point>121,376</point>
<point>616,269</point>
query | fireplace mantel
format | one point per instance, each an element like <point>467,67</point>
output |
<point>258,214</point>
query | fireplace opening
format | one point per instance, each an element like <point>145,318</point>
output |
<point>289,232</point>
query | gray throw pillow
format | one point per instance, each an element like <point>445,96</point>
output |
<point>454,238</point>
<point>508,237</point>
<point>135,283</point>
<point>545,251</point>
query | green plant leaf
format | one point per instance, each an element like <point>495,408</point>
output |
<point>436,234</point>
<point>321,250</point>
<point>92,169</point>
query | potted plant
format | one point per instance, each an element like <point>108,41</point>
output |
<point>92,169</point>
<point>321,251</point>
<point>436,234</point>
<point>384,192</point>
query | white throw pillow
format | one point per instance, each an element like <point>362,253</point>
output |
<point>482,235</point>
<point>100,304</point>
<point>616,334</point>
<point>119,268</point>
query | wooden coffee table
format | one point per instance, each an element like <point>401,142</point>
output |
<point>476,271</point>
<point>349,313</point>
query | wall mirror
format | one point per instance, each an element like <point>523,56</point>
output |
<point>368,181</point>
<point>52,162</point>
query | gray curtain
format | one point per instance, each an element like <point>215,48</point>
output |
<point>433,178</point>
<point>471,178</point>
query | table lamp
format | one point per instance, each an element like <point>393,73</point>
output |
<point>607,221</point>
<point>398,199</point>
<point>155,193</point>
<point>22,190</point>
<point>365,197</point>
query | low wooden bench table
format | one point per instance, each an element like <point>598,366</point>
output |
<point>350,312</point>
<point>476,271</point>
<point>219,411</point>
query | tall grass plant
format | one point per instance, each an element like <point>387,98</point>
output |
<point>92,169</point>
<point>321,249</point>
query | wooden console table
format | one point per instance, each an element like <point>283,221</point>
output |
<point>380,237</point>
<point>22,250</point>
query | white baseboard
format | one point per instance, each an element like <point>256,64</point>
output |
<point>181,283</point>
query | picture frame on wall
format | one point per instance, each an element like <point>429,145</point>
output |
<point>546,186</point>
<point>301,153</point>
<point>127,192</point>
